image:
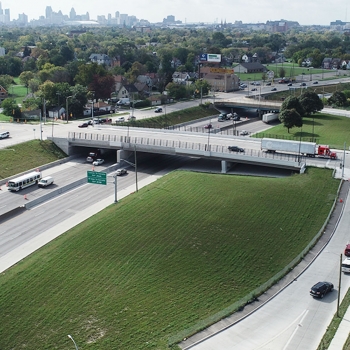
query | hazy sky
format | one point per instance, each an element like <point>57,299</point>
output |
<point>248,11</point>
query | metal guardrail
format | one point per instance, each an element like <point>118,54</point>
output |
<point>141,143</point>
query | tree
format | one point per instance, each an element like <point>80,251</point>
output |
<point>311,103</point>
<point>281,72</point>
<point>11,108</point>
<point>338,98</point>
<point>293,102</point>
<point>176,91</point>
<point>290,118</point>
<point>25,77</point>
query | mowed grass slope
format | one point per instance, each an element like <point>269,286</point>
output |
<point>161,260</point>
<point>328,129</point>
<point>27,155</point>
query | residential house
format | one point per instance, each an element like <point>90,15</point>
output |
<point>56,112</point>
<point>182,77</point>
<point>100,59</point>
<point>3,93</point>
<point>327,63</point>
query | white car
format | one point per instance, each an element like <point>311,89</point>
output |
<point>243,132</point>
<point>121,171</point>
<point>98,161</point>
<point>120,119</point>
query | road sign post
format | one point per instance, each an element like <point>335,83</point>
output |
<point>98,178</point>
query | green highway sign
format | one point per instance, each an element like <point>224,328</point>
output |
<point>95,177</point>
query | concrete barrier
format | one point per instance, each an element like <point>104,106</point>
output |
<point>12,213</point>
<point>41,167</point>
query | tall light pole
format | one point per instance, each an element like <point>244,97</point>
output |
<point>115,188</point>
<point>67,107</point>
<point>209,127</point>
<point>133,165</point>
<point>58,103</point>
<point>92,108</point>
<point>71,338</point>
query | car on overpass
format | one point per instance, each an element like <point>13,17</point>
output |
<point>235,149</point>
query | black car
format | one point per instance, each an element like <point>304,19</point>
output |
<point>315,82</point>
<point>268,84</point>
<point>274,89</point>
<point>83,125</point>
<point>235,149</point>
<point>236,118</point>
<point>254,89</point>
<point>320,289</point>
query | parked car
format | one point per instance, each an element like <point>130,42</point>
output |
<point>83,125</point>
<point>98,161</point>
<point>235,149</point>
<point>121,171</point>
<point>320,289</point>
<point>274,89</point>
<point>244,132</point>
<point>45,181</point>
<point>158,110</point>
<point>120,119</point>
<point>315,82</point>
<point>208,126</point>
<point>302,84</point>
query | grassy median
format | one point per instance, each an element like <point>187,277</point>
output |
<point>174,253</point>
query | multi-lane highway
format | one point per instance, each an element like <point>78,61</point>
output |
<point>292,320</point>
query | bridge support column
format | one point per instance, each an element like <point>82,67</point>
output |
<point>224,166</point>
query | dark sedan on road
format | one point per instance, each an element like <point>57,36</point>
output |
<point>274,89</point>
<point>235,149</point>
<point>208,126</point>
<point>83,125</point>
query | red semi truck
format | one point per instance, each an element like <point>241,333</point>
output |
<point>309,149</point>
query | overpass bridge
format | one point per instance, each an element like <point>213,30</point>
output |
<point>260,105</point>
<point>159,141</point>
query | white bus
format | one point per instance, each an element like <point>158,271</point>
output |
<point>24,181</point>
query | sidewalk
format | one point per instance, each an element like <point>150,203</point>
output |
<point>342,333</point>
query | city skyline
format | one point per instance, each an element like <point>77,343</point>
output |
<point>191,11</point>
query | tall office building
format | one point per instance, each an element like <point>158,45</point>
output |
<point>48,12</point>
<point>72,14</point>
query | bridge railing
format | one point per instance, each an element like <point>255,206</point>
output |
<point>142,143</point>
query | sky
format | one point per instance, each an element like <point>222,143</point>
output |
<point>193,11</point>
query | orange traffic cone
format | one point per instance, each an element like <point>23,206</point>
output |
<point>93,168</point>
<point>341,200</point>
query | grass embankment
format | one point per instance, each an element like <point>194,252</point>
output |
<point>174,118</point>
<point>161,260</point>
<point>328,129</point>
<point>28,155</point>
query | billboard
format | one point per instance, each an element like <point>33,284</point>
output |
<point>210,57</point>
<point>222,70</point>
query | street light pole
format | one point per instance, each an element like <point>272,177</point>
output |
<point>115,189</point>
<point>71,338</point>
<point>67,107</point>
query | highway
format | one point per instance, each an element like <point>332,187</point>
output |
<point>291,321</point>
<point>32,223</point>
